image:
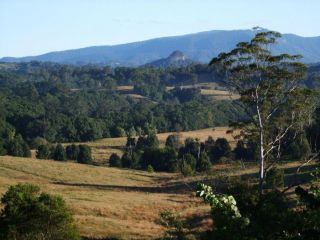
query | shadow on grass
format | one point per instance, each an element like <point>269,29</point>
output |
<point>147,189</point>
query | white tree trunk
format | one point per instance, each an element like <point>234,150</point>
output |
<point>262,156</point>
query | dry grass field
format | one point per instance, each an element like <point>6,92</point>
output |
<point>207,89</point>
<point>110,202</point>
<point>219,94</point>
<point>107,202</point>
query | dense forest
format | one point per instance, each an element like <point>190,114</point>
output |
<point>62,103</point>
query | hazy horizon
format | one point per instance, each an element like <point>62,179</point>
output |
<point>36,27</point>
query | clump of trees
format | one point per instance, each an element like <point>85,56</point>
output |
<point>30,214</point>
<point>188,158</point>
<point>80,153</point>
<point>13,144</point>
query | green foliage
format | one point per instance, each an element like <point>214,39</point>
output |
<point>295,147</point>
<point>220,149</point>
<point>87,106</point>
<point>189,159</point>
<point>150,169</point>
<point>30,214</point>
<point>186,94</point>
<point>132,159</point>
<point>173,141</point>
<point>161,159</point>
<point>186,170</point>
<point>36,142</point>
<point>84,155</point>
<point>118,132</point>
<point>43,152</point>
<point>311,197</point>
<point>3,151</point>
<point>245,193</point>
<point>149,141</point>
<point>18,147</point>
<point>203,164</point>
<point>72,152</point>
<point>176,229</point>
<point>228,222</point>
<point>115,160</point>
<point>275,178</point>
<point>59,153</point>
<point>269,88</point>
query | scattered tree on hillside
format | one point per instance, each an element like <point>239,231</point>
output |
<point>59,153</point>
<point>18,147</point>
<point>72,152</point>
<point>115,160</point>
<point>84,155</point>
<point>43,151</point>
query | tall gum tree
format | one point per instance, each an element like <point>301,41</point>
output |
<point>269,88</point>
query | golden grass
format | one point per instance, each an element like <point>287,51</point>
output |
<point>110,202</point>
<point>219,94</point>
<point>107,202</point>
<point>136,96</point>
<point>124,88</point>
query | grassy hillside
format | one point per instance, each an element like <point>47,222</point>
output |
<point>126,203</point>
<point>105,201</point>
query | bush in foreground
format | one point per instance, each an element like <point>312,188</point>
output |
<point>29,214</point>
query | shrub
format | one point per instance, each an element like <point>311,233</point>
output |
<point>203,164</point>
<point>43,152</point>
<point>18,147</point>
<point>38,141</point>
<point>275,178</point>
<point>173,141</point>
<point>150,169</point>
<point>59,153</point>
<point>240,152</point>
<point>161,159</point>
<point>176,228</point>
<point>29,214</point>
<point>189,159</point>
<point>118,132</point>
<point>72,152</point>
<point>220,149</point>
<point>131,160</point>
<point>115,160</point>
<point>149,141</point>
<point>229,223</point>
<point>84,154</point>
<point>187,170</point>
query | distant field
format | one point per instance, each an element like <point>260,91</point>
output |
<point>207,89</point>
<point>107,202</point>
<point>103,148</point>
<point>219,94</point>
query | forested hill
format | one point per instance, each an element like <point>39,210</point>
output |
<point>200,47</point>
<point>66,103</point>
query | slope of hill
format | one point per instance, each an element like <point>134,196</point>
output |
<point>176,59</point>
<point>198,47</point>
<point>106,202</point>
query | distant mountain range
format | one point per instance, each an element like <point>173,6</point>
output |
<point>200,47</point>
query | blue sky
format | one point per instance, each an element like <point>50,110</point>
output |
<point>32,27</point>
